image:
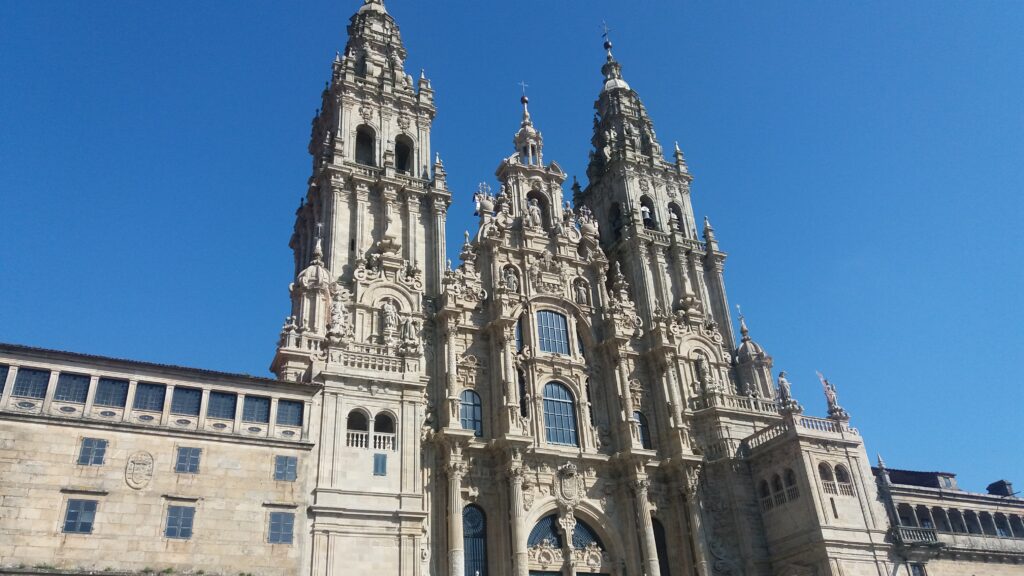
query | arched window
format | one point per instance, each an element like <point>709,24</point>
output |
<point>357,428</point>
<point>1016,526</point>
<point>471,412</point>
<point>941,520</point>
<point>474,540</point>
<point>519,334</point>
<point>906,515</point>
<point>366,146</point>
<point>792,492</point>
<point>956,521</point>
<point>924,519</point>
<point>1002,526</point>
<point>559,415</point>
<point>553,330</point>
<point>644,429</point>
<point>404,154</point>
<point>971,520</point>
<point>675,214</point>
<point>843,480</point>
<point>661,546</point>
<point>384,432</point>
<point>987,525</point>
<point>583,535</point>
<point>647,213</point>
<point>778,492</point>
<point>524,402</point>
<point>765,494</point>
<point>545,529</point>
<point>828,479</point>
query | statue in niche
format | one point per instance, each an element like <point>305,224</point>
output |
<point>337,315</point>
<point>581,292</point>
<point>536,219</point>
<point>511,280</point>
<point>390,315</point>
<point>703,374</point>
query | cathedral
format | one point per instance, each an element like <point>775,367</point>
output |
<point>566,397</point>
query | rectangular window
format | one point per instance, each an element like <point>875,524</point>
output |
<point>72,388</point>
<point>222,405</point>
<point>111,392</point>
<point>186,401</point>
<point>553,330</point>
<point>31,383</point>
<point>917,570</point>
<point>285,468</point>
<point>149,397</point>
<point>289,412</point>
<point>179,522</point>
<point>282,525</point>
<point>92,452</point>
<point>3,377</point>
<point>256,409</point>
<point>188,461</point>
<point>80,516</point>
<point>380,464</point>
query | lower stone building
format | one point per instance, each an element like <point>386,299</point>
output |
<point>571,398</point>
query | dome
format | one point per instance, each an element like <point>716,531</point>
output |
<point>373,6</point>
<point>613,83</point>
<point>749,351</point>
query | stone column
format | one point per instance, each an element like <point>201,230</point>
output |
<point>643,511</point>
<point>700,546</point>
<point>362,207</point>
<point>518,526</point>
<point>511,378</point>
<point>439,209</point>
<point>456,556</point>
<point>452,393</point>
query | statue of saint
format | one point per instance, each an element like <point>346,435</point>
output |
<point>390,313</point>
<point>536,219</point>
<point>785,392</point>
<point>511,280</point>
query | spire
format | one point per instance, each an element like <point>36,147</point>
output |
<point>744,331</point>
<point>528,141</point>
<point>709,232</point>
<point>374,6</point>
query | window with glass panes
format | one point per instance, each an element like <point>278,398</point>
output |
<point>92,452</point>
<point>282,525</point>
<point>71,388</point>
<point>3,377</point>
<point>31,383</point>
<point>289,413</point>
<point>256,409</point>
<point>179,522</point>
<point>188,460</point>
<point>149,397</point>
<point>559,415</point>
<point>111,392</point>
<point>285,468</point>
<point>471,413</point>
<point>553,332</point>
<point>79,516</point>
<point>186,401</point>
<point>222,405</point>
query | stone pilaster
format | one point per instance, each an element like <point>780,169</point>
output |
<point>643,511</point>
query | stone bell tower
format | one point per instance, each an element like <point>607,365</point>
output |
<point>369,244</point>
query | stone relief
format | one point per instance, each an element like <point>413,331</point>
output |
<point>139,470</point>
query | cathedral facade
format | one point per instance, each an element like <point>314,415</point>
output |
<point>569,399</point>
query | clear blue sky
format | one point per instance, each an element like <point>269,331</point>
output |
<point>861,163</point>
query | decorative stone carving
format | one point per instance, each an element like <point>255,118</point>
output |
<point>570,486</point>
<point>139,470</point>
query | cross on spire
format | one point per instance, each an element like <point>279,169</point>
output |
<point>605,30</point>
<point>523,85</point>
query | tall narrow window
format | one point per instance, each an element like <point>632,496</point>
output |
<point>149,397</point>
<point>474,540</point>
<point>661,546</point>
<point>644,429</point>
<point>111,393</point>
<point>519,334</point>
<point>4,369</point>
<point>559,415</point>
<point>384,437</point>
<point>403,154</point>
<point>792,492</point>
<point>30,383</point>
<point>366,146</point>
<point>72,388</point>
<point>357,430</point>
<point>553,330</point>
<point>471,412</point>
<point>380,464</point>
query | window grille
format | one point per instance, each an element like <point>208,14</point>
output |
<point>149,397</point>
<point>282,526</point>
<point>553,330</point>
<point>179,522</point>
<point>186,401</point>
<point>92,452</point>
<point>256,409</point>
<point>559,415</point>
<point>471,412</point>
<point>31,383</point>
<point>289,412</point>
<point>222,405</point>
<point>474,540</point>
<point>72,388</point>
<point>187,461</point>
<point>111,393</point>
<point>286,468</point>
<point>79,517</point>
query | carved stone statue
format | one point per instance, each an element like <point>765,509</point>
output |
<point>511,280</point>
<point>581,292</point>
<point>785,392</point>
<point>390,315</point>
<point>536,219</point>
